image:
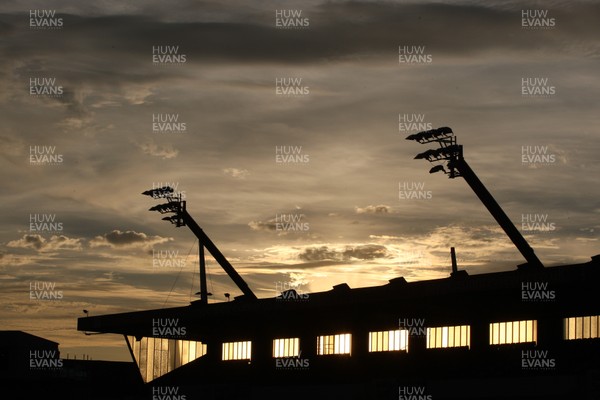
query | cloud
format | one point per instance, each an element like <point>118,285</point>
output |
<point>236,173</point>
<point>384,237</point>
<point>11,146</point>
<point>365,252</point>
<point>318,254</point>
<point>116,238</point>
<point>380,209</point>
<point>165,152</point>
<point>338,30</point>
<point>284,224</point>
<point>28,241</point>
<point>39,243</point>
<point>267,226</point>
<point>359,252</point>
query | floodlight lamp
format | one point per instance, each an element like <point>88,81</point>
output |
<point>451,151</point>
<point>420,137</point>
<point>164,208</point>
<point>157,193</point>
<point>432,135</point>
<point>425,155</point>
<point>446,130</point>
<point>437,168</point>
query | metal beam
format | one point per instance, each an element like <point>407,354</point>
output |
<point>494,208</point>
<point>202,266</point>
<point>216,253</point>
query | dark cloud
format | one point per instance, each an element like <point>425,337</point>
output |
<point>361,252</point>
<point>39,243</point>
<point>32,241</point>
<point>318,254</point>
<point>128,238</point>
<point>337,30</point>
<point>365,252</point>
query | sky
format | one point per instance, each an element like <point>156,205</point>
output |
<point>283,125</point>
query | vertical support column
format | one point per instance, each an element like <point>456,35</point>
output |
<point>480,335</point>
<point>202,266</point>
<point>217,255</point>
<point>417,341</point>
<point>308,346</point>
<point>453,256</point>
<point>213,350</point>
<point>360,343</point>
<point>262,351</point>
<point>550,331</point>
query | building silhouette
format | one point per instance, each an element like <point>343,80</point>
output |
<point>31,367</point>
<point>532,332</point>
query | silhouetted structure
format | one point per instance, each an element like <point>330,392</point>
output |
<point>451,153</point>
<point>31,367</point>
<point>23,355</point>
<point>528,333</point>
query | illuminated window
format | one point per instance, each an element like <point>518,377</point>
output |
<point>237,351</point>
<point>388,340</point>
<point>448,336</point>
<point>156,356</point>
<point>513,332</point>
<point>334,344</point>
<point>582,327</point>
<point>289,347</point>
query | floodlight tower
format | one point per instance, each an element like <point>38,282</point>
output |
<point>177,206</point>
<point>451,153</point>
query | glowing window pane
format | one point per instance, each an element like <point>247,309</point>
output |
<point>395,340</point>
<point>513,332</point>
<point>334,344</point>
<point>585,327</point>
<point>450,340</point>
<point>156,357</point>
<point>449,336</point>
<point>236,351</point>
<point>288,347</point>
